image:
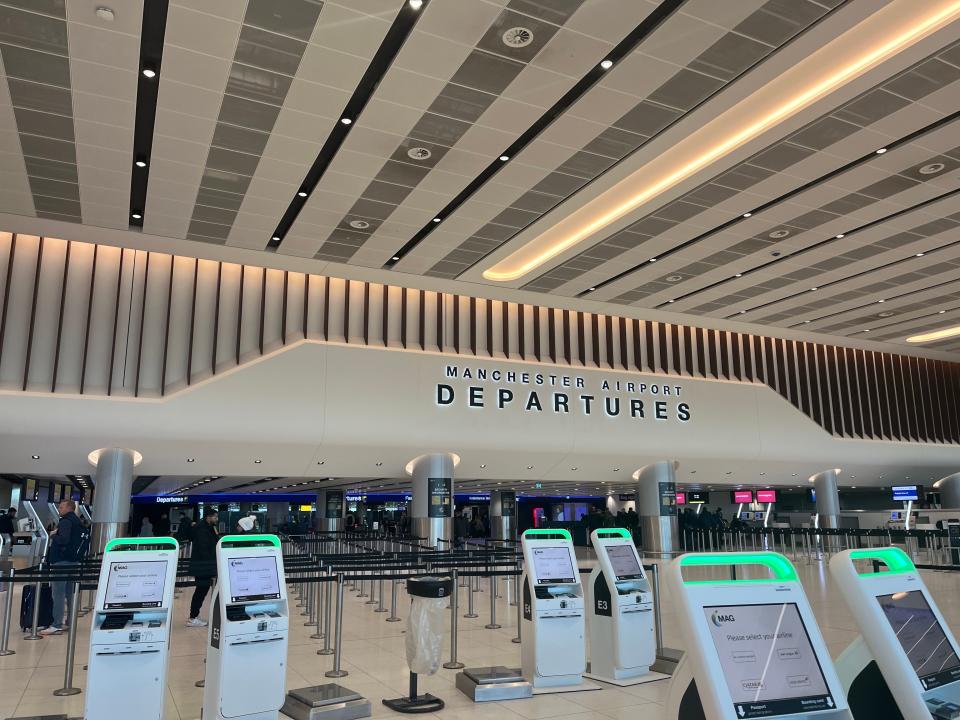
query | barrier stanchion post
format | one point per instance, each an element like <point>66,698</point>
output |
<point>492,625</point>
<point>68,688</point>
<point>327,606</point>
<point>470,613</point>
<point>519,609</point>
<point>7,616</point>
<point>338,647</point>
<point>657,628</point>
<point>380,607</point>
<point>453,664</point>
<point>34,635</point>
<point>393,602</point>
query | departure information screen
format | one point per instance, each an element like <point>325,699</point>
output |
<point>623,560</point>
<point>135,584</point>
<point>768,662</point>
<point>254,578</point>
<point>930,652</point>
<point>553,565</point>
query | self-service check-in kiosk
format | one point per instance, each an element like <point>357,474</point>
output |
<point>552,628</point>
<point>753,646</point>
<point>905,664</point>
<point>622,645</point>
<point>247,636</point>
<point>130,633</point>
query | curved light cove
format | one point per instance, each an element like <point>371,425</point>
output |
<point>935,335</point>
<point>899,25</point>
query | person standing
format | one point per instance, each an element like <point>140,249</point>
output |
<point>7,529</point>
<point>64,547</point>
<point>146,528</point>
<point>203,564</point>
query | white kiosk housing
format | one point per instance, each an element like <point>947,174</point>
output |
<point>247,637</point>
<point>130,633</point>
<point>552,648</point>
<point>622,645</point>
<point>753,646</point>
<point>906,658</point>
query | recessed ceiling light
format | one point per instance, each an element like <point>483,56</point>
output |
<point>395,258</point>
<point>814,288</point>
<point>104,13</point>
<point>149,71</point>
<point>670,301</point>
<point>653,259</point>
<point>436,219</point>
<point>840,236</point>
<point>573,468</point>
<point>615,470</point>
<point>591,289</point>
<point>482,466</point>
<point>529,467</point>
<point>35,457</point>
<point>276,238</point>
<point>257,462</point>
<point>504,158</point>
<point>881,151</point>
<point>866,329</point>
<point>935,335</point>
<point>191,459</point>
<point>346,121</point>
<point>136,216</point>
<point>742,312</point>
<point>881,300</point>
<point>320,462</point>
<point>140,162</point>
<point>920,254</point>
<point>302,193</point>
<point>379,464</point>
<point>747,214</point>
<point>739,275</point>
<point>416,4</point>
<point>606,64</point>
<point>805,322</point>
<point>763,473</point>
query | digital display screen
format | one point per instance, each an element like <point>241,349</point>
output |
<point>742,496</point>
<point>254,578</point>
<point>933,657</point>
<point>623,560</point>
<point>905,492</point>
<point>681,498</point>
<point>135,584</point>
<point>766,496</point>
<point>768,663</point>
<point>697,497</point>
<point>553,565</point>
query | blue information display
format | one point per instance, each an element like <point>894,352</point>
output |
<point>906,492</point>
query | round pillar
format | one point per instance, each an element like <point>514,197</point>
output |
<point>431,507</point>
<point>331,510</point>
<point>656,506</point>
<point>113,480</point>
<point>828,500</point>
<point>949,489</point>
<point>503,514</point>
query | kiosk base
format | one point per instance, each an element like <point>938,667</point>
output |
<point>667,661</point>
<point>640,679</point>
<point>482,684</point>
<point>326,702</point>
<point>577,687</point>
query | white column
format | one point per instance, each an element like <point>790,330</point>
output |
<point>113,484</point>
<point>658,520</point>
<point>431,507</point>
<point>828,500</point>
<point>949,489</point>
<point>331,510</point>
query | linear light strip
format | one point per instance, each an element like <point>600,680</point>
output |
<point>518,263</point>
<point>770,204</point>
<point>621,50</point>
<point>152,32</point>
<point>935,335</point>
<point>390,47</point>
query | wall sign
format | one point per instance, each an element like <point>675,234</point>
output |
<point>439,497</point>
<point>627,497</point>
<point>334,505</point>
<point>508,503</point>
<point>668,498</point>
<point>560,394</point>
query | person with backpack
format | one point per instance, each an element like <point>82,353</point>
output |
<point>203,563</point>
<point>66,544</point>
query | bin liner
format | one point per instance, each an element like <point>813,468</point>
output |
<point>425,626</point>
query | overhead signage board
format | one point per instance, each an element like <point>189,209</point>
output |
<point>681,498</point>
<point>905,492</point>
<point>766,496</point>
<point>741,496</point>
<point>697,497</point>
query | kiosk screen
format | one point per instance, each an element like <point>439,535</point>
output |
<point>624,561</point>
<point>933,657</point>
<point>553,565</point>
<point>768,662</point>
<point>135,584</point>
<point>254,578</point>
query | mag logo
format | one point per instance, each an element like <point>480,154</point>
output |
<point>720,619</point>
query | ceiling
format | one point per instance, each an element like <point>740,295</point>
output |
<point>495,118</point>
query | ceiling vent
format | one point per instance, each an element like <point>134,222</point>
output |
<point>932,168</point>
<point>779,234</point>
<point>359,224</point>
<point>886,314</point>
<point>517,37</point>
<point>674,278</point>
<point>419,153</point>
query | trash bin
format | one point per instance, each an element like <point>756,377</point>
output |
<point>425,626</point>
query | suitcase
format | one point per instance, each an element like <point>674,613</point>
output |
<point>45,618</point>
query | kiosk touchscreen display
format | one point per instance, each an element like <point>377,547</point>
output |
<point>254,578</point>
<point>135,584</point>
<point>931,654</point>
<point>553,565</point>
<point>768,663</point>
<point>623,560</point>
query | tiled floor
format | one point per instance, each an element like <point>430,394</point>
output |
<point>373,653</point>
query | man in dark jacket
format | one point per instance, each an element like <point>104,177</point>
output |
<point>7,529</point>
<point>64,545</point>
<point>203,564</point>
